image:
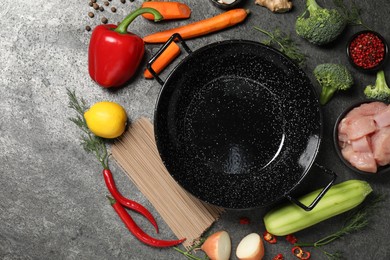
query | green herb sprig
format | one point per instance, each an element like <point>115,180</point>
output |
<point>189,252</point>
<point>356,221</point>
<point>285,44</point>
<point>90,142</point>
<point>351,13</point>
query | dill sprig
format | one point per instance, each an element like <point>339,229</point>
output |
<point>189,252</point>
<point>351,13</point>
<point>285,44</point>
<point>356,221</point>
<point>90,142</point>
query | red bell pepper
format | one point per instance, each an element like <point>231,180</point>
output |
<point>115,54</point>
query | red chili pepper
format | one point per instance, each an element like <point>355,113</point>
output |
<point>298,252</point>
<point>115,54</point>
<point>110,183</point>
<point>269,237</point>
<point>278,257</point>
<point>137,231</point>
<point>291,238</point>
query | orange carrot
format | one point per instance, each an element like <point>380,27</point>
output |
<point>201,27</point>
<point>169,10</point>
<point>169,54</point>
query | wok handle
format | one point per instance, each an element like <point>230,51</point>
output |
<point>174,37</point>
<point>322,193</point>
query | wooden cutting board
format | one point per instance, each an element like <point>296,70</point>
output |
<point>137,154</point>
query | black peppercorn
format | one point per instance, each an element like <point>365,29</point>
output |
<point>113,9</point>
<point>90,14</point>
<point>104,20</point>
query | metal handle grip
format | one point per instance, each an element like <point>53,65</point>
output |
<point>174,37</point>
<point>320,195</point>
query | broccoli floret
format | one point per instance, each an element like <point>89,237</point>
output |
<point>380,90</point>
<point>332,77</point>
<point>321,26</point>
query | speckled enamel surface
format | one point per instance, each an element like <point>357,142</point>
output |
<point>238,124</point>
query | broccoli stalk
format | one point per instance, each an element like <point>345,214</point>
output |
<point>312,6</point>
<point>380,90</point>
<point>332,78</point>
<point>321,26</point>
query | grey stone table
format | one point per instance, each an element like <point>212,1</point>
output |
<point>52,195</point>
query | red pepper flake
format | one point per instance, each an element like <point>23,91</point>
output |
<point>367,50</point>
<point>300,254</point>
<point>269,237</point>
<point>278,257</point>
<point>291,238</point>
<point>244,221</point>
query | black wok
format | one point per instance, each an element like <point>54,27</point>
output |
<point>238,124</point>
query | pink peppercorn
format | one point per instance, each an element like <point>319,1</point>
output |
<point>367,50</point>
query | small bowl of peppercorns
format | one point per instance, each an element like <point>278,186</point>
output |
<point>367,51</point>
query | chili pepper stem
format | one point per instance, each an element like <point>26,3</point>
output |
<point>122,27</point>
<point>112,200</point>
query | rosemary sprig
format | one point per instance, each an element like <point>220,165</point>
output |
<point>358,220</point>
<point>284,44</point>
<point>90,142</point>
<point>351,13</point>
<point>189,252</point>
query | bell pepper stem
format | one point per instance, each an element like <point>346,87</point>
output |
<point>122,27</point>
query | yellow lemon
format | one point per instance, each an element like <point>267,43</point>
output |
<point>106,119</point>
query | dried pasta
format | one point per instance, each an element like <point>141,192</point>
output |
<point>137,154</point>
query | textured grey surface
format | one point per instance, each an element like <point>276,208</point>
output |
<point>52,195</point>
